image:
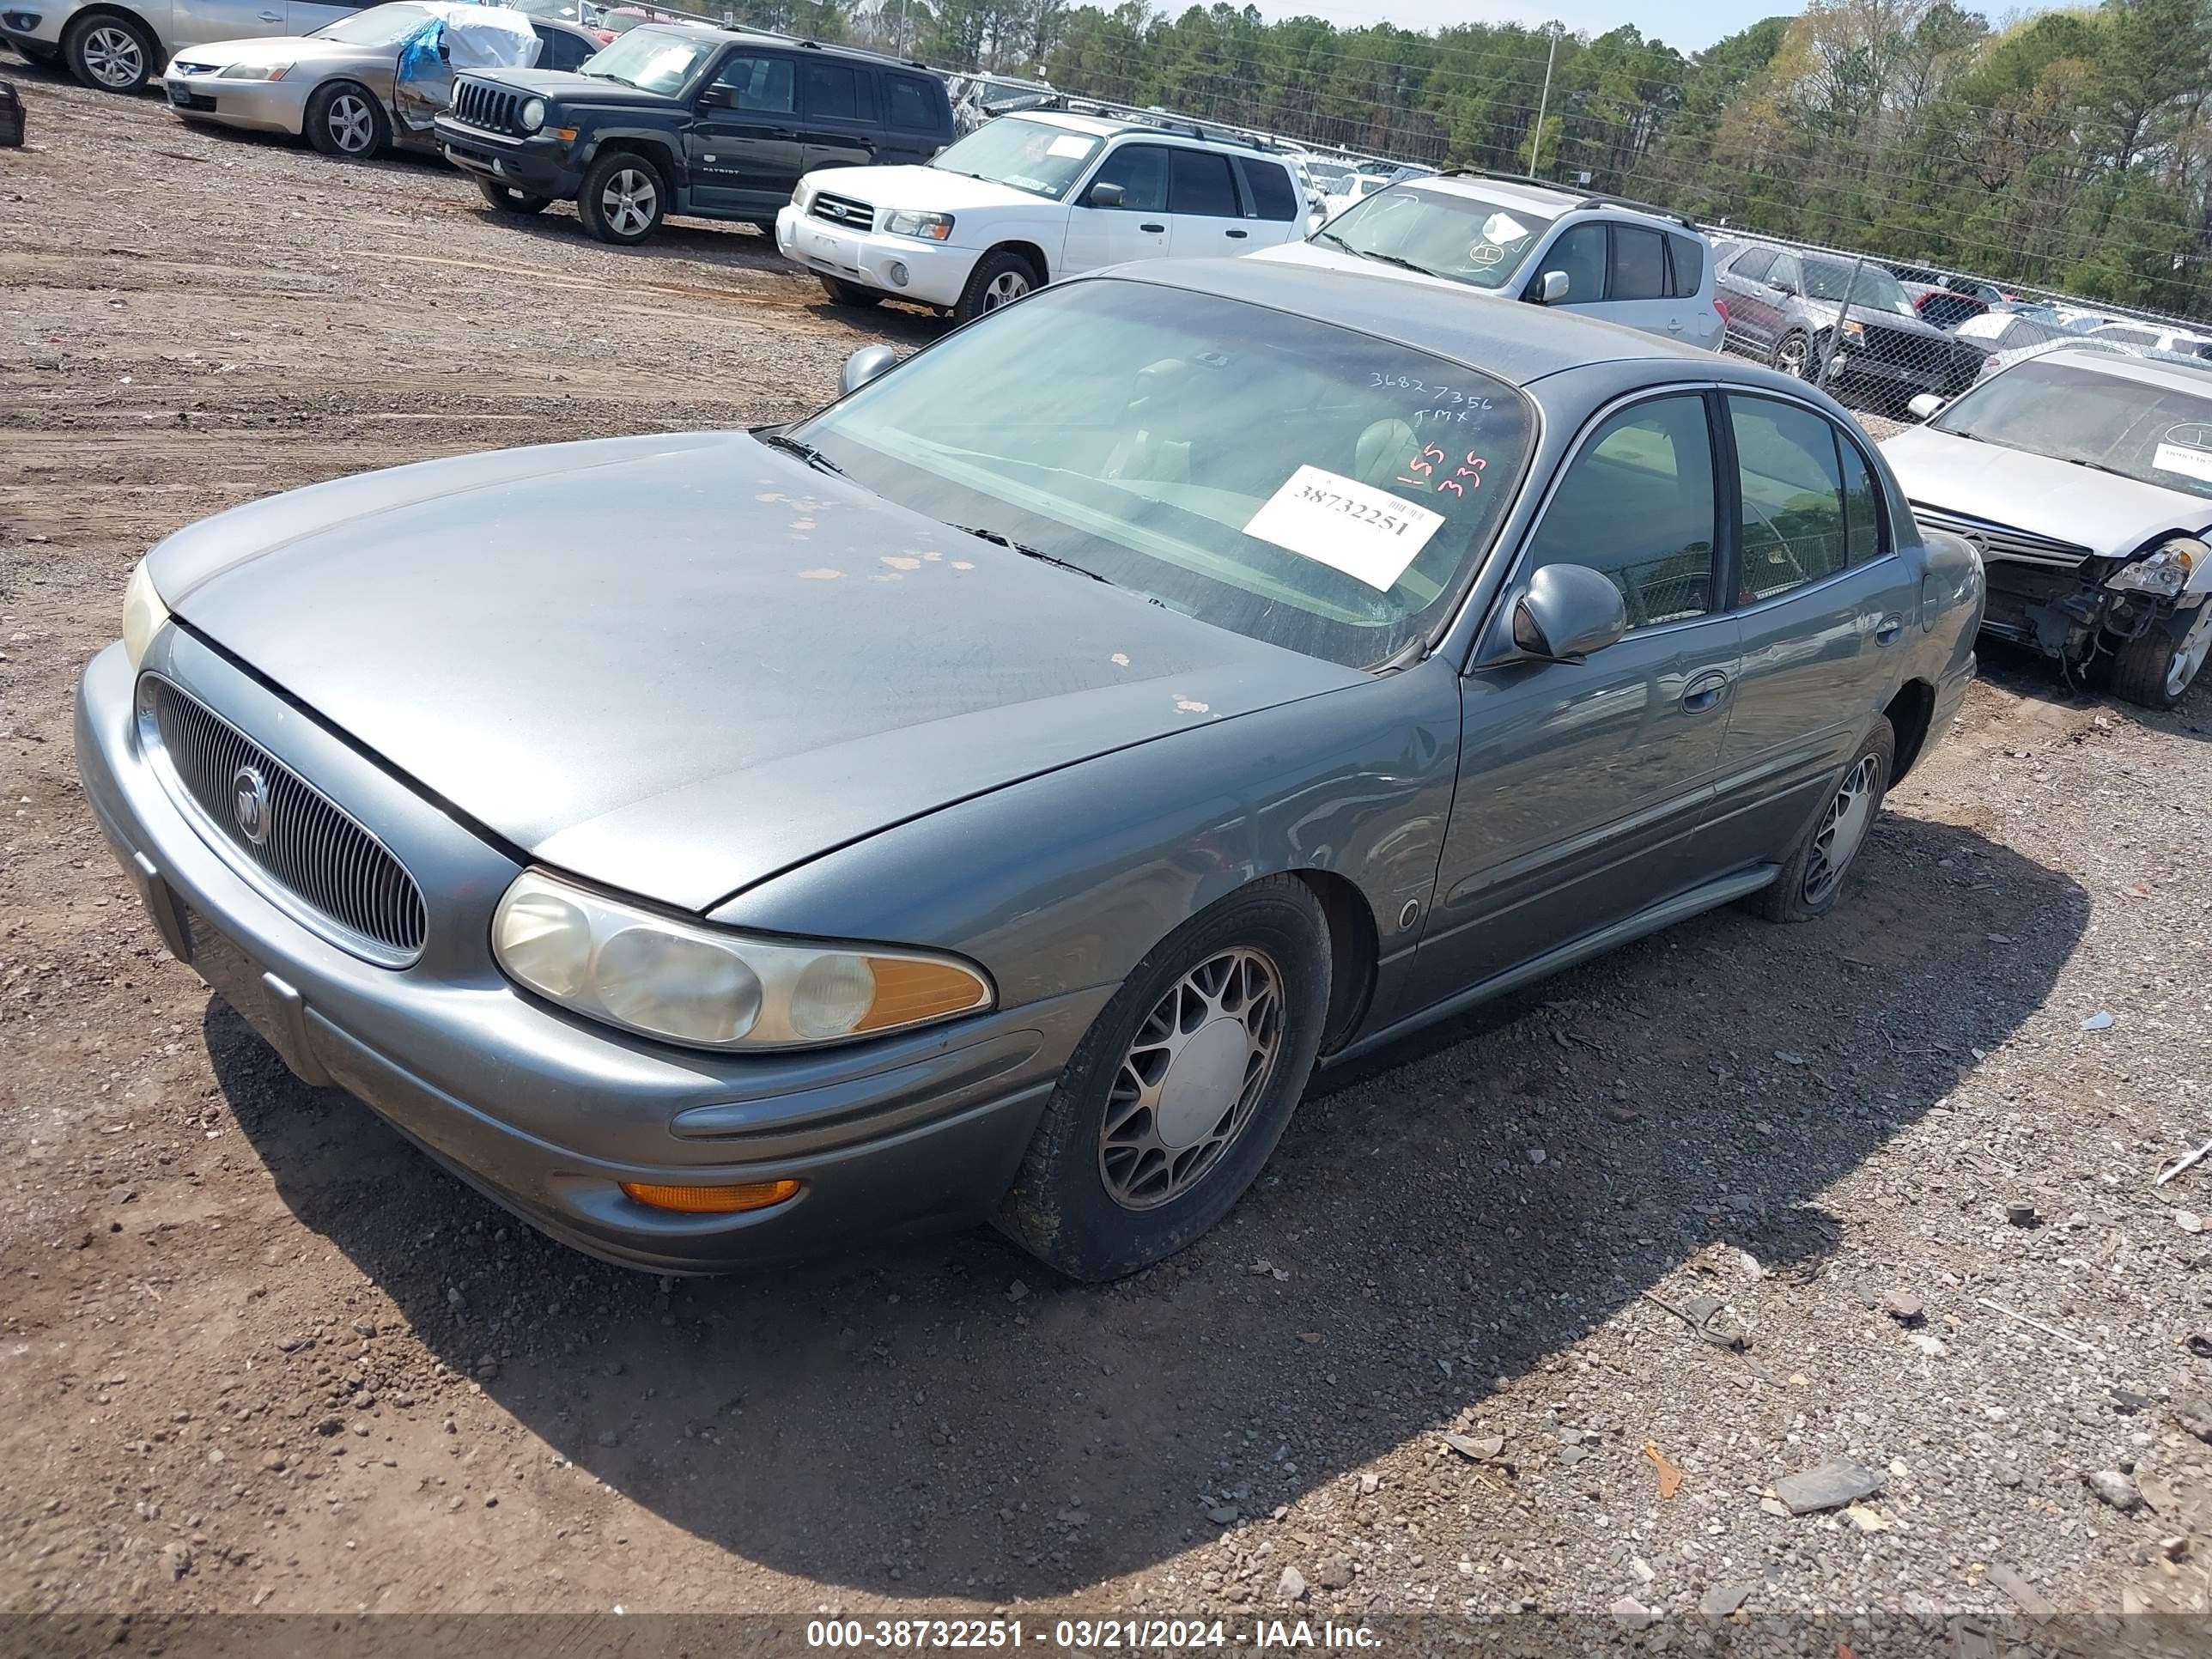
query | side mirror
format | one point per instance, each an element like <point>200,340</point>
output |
<point>1923,405</point>
<point>864,365</point>
<point>1566,612</point>
<point>1105,194</point>
<point>1552,288</point>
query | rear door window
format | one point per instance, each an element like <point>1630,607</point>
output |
<point>912,107</point>
<point>1199,183</point>
<point>1273,197</point>
<point>1639,264</point>
<point>837,92</point>
<point>1793,517</point>
<point>1687,265</point>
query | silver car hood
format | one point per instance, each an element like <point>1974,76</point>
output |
<point>2110,515</point>
<point>285,49</point>
<point>679,664</point>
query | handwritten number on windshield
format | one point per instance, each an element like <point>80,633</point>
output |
<point>1466,477</point>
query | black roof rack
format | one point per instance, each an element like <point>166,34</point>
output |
<point>1584,199</point>
<point>1188,127</point>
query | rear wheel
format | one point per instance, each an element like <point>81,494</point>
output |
<point>1811,880</point>
<point>2156,668</point>
<point>850,294</point>
<point>109,53</point>
<point>1179,1089</point>
<point>624,199</point>
<point>1000,278</point>
<point>347,119</point>
<point>506,198</point>
<point>1793,355</point>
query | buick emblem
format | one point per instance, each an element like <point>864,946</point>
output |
<point>250,804</point>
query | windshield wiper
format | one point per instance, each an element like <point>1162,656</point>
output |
<point>806,452</point>
<point>609,74</point>
<point>1029,552</point>
<point>1380,258</point>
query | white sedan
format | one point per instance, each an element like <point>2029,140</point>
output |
<point>2085,479</point>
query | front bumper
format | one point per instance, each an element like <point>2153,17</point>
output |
<point>545,1113</point>
<point>38,26</point>
<point>1942,376</point>
<point>254,106</point>
<point>537,166</point>
<point>933,273</point>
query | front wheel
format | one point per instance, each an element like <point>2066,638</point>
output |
<point>1179,1089</point>
<point>109,53</point>
<point>2156,668</point>
<point>1812,879</point>
<point>506,198</point>
<point>850,294</point>
<point>999,279</point>
<point>624,199</point>
<point>348,120</point>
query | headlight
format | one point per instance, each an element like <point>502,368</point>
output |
<point>803,197</point>
<point>533,115</point>
<point>1854,329</point>
<point>254,72</point>
<point>143,613</point>
<point>930,227</point>
<point>2164,571</point>
<point>710,987</point>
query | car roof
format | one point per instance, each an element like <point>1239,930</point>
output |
<point>1515,343</point>
<point>1114,126</point>
<point>2174,375</point>
<point>1552,200</point>
<point>792,42</point>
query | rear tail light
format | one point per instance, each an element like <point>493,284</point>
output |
<point>1721,305</point>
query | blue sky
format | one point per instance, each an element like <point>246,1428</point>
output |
<point>1685,27</point>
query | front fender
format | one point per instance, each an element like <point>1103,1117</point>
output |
<point>1063,882</point>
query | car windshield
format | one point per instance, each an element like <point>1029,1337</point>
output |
<point>2157,435</point>
<point>380,26</point>
<point>1444,233</point>
<point>1278,477</point>
<point>1035,156</point>
<point>652,59</point>
<point>1875,290</point>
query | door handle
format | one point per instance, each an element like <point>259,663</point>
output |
<point>272,16</point>
<point>1674,324</point>
<point>1890,629</point>
<point>1705,692</point>
<point>1239,234</point>
<point>1157,230</point>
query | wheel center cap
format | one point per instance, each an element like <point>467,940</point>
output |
<point>1202,1082</point>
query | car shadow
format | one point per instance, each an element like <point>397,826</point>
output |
<point>946,1418</point>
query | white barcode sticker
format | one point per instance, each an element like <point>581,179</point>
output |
<point>1070,145</point>
<point>1369,534</point>
<point>2187,460</point>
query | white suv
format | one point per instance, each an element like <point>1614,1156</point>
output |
<point>1520,240</point>
<point>1030,197</point>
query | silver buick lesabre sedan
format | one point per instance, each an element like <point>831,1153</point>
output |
<point>725,845</point>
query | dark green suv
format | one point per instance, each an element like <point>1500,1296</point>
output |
<point>677,118</point>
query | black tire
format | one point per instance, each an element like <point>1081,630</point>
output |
<point>850,294</point>
<point>1060,1208</point>
<point>1000,278</point>
<point>1811,882</point>
<point>1796,344</point>
<point>110,51</point>
<point>506,198</point>
<point>2155,669</point>
<point>623,200</point>
<point>347,120</point>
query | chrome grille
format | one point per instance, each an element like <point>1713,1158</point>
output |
<point>311,848</point>
<point>480,104</point>
<point>2001,541</point>
<point>842,210</point>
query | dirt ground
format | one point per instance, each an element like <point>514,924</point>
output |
<point>255,1352</point>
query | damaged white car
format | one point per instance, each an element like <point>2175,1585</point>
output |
<point>2085,479</point>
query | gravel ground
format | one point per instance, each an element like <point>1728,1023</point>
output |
<point>1732,1205</point>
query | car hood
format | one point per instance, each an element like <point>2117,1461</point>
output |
<point>1335,258</point>
<point>679,664</point>
<point>572,90</point>
<point>927,190</point>
<point>1828,312</point>
<point>2107,514</point>
<point>283,49</point>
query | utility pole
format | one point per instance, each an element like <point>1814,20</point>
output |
<point>1543,103</point>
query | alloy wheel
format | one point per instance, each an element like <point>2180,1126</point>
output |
<point>1191,1079</point>
<point>1842,828</point>
<point>629,202</point>
<point>2189,655</point>
<point>1004,290</point>
<point>113,56</point>
<point>352,127</point>
<point>1794,357</point>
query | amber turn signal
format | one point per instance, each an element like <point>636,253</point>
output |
<point>711,1200</point>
